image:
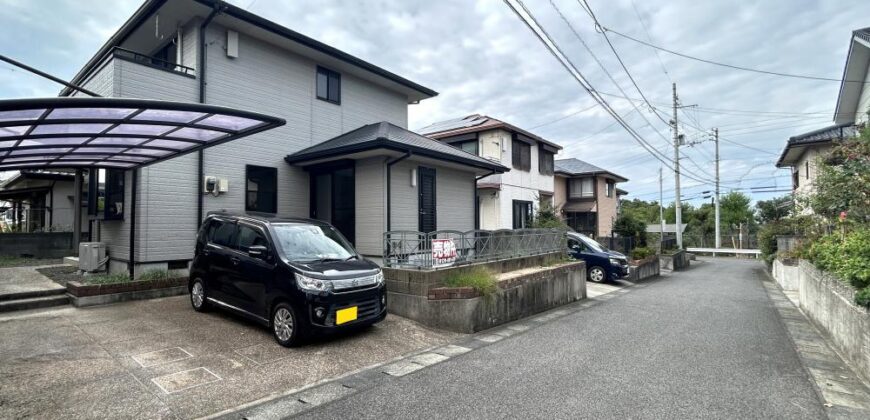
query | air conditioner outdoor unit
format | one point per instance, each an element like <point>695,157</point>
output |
<point>91,254</point>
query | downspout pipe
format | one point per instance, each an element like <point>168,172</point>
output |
<point>390,164</point>
<point>201,75</point>
<point>131,260</point>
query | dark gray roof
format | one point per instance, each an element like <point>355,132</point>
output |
<point>578,167</point>
<point>389,136</point>
<point>794,148</point>
<point>863,34</point>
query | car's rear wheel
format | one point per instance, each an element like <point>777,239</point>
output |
<point>597,274</point>
<point>198,296</point>
<point>287,328</point>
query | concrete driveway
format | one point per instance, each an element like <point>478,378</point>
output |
<point>160,359</point>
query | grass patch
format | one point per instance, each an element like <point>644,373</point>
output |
<point>479,278</point>
<point>106,278</point>
<point>153,275</point>
<point>10,261</point>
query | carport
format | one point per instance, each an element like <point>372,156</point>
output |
<point>114,134</point>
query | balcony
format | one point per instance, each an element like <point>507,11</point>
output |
<point>153,62</point>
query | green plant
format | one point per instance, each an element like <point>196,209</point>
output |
<point>862,298</point>
<point>546,218</point>
<point>642,252</point>
<point>628,225</point>
<point>479,278</point>
<point>107,278</point>
<point>847,257</point>
<point>153,275</point>
<point>843,180</point>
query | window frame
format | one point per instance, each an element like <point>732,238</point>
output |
<point>582,192</point>
<point>112,190</point>
<point>529,213</point>
<point>330,75</point>
<point>459,144</point>
<point>519,160</point>
<point>609,186</point>
<point>274,173</point>
<point>546,162</point>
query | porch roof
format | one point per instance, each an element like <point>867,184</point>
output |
<point>581,206</point>
<point>22,193</point>
<point>384,135</point>
<point>114,133</point>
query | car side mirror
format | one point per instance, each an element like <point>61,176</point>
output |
<point>258,251</point>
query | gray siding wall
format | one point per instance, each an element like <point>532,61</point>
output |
<point>263,79</point>
<point>454,197</point>
<point>370,199</point>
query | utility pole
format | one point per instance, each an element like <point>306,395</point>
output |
<point>661,210</point>
<point>678,199</point>
<point>718,233</point>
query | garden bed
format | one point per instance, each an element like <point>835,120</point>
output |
<point>10,261</point>
<point>99,289</point>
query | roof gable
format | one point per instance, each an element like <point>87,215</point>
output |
<point>477,123</point>
<point>854,77</point>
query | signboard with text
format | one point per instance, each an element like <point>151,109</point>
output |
<point>443,252</point>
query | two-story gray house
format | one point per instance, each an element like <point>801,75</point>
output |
<point>344,155</point>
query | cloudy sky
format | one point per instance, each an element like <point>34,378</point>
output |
<point>482,59</point>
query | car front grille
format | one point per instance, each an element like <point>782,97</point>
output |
<point>366,308</point>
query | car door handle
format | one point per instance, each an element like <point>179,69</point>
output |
<point>206,252</point>
<point>235,260</point>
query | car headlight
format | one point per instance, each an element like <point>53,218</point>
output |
<point>312,284</point>
<point>379,278</point>
<point>615,261</point>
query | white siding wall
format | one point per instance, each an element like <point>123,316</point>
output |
<point>808,159</point>
<point>370,198</point>
<point>515,184</point>
<point>863,100</point>
<point>454,193</point>
<point>490,210</point>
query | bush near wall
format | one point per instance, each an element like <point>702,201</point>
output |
<point>848,257</point>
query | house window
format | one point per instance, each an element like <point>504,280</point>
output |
<point>521,155</point>
<point>581,188</point>
<point>796,178</point>
<point>522,214</point>
<point>609,188</point>
<point>261,189</point>
<point>583,222</point>
<point>114,200</point>
<point>471,146</point>
<point>328,85</point>
<point>545,162</point>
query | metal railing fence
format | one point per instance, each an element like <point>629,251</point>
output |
<point>412,249</point>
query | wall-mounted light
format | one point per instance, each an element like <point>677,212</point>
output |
<point>414,177</point>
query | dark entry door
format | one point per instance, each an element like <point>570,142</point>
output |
<point>426,200</point>
<point>332,197</point>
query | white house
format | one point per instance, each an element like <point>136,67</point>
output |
<point>508,200</point>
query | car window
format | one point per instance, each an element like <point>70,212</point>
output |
<point>222,232</point>
<point>307,243</point>
<point>249,236</point>
<point>573,243</point>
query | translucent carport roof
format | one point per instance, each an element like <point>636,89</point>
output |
<point>114,133</point>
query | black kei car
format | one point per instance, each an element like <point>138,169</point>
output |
<point>296,276</point>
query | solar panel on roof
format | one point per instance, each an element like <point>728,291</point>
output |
<point>454,124</point>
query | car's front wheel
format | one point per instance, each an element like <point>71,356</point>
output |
<point>198,296</point>
<point>286,326</point>
<point>597,274</point>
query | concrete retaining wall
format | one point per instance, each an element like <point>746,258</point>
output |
<point>520,294</point>
<point>644,269</point>
<point>38,245</point>
<point>676,261</point>
<point>785,272</point>
<point>829,303</point>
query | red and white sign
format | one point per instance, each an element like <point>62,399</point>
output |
<point>443,252</point>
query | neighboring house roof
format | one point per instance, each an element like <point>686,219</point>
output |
<point>384,135</point>
<point>796,145</point>
<point>854,75</point>
<point>620,191</point>
<point>576,167</point>
<point>476,123</point>
<point>150,7</point>
<point>669,228</point>
<point>55,175</point>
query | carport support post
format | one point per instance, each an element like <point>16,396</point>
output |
<point>131,260</point>
<point>77,211</point>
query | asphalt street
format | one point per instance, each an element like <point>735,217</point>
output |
<point>706,342</point>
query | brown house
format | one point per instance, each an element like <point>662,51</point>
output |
<point>586,197</point>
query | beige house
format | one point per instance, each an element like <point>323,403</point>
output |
<point>586,197</point>
<point>853,103</point>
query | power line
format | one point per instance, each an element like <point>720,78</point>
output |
<point>562,118</point>
<point>732,66</point>
<point>649,38</point>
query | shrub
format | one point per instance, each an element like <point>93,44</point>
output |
<point>479,278</point>
<point>642,252</point>
<point>862,298</point>
<point>153,275</point>
<point>846,257</point>
<point>546,218</point>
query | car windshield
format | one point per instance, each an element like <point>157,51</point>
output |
<point>309,243</point>
<point>591,243</point>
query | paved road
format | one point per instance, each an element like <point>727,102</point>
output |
<point>702,343</point>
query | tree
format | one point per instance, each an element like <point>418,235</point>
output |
<point>546,218</point>
<point>775,209</point>
<point>627,225</point>
<point>843,180</point>
<point>734,209</point>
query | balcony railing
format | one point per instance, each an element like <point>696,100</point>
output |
<point>149,61</point>
<point>418,250</point>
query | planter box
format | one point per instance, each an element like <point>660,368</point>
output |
<point>829,303</point>
<point>676,261</point>
<point>519,294</point>
<point>644,269</point>
<point>100,294</point>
